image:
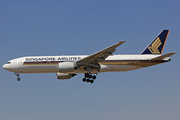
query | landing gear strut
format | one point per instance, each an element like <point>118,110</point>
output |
<point>17,74</point>
<point>89,78</point>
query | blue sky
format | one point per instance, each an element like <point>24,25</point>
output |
<point>44,27</point>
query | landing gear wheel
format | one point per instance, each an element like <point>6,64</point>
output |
<point>94,77</point>
<point>90,76</point>
<point>17,74</point>
<point>84,80</point>
<point>86,75</point>
<point>88,80</point>
<point>18,79</point>
<point>91,81</point>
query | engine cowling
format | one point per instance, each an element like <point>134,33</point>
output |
<point>66,67</point>
<point>64,75</point>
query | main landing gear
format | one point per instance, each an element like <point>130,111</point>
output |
<point>89,78</point>
<point>17,74</point>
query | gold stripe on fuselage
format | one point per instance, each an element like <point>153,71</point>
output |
<point>142,63</point>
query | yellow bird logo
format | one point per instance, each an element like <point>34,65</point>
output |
<point>155,45</point>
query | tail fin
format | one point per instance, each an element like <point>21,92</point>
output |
<point>157,45</point>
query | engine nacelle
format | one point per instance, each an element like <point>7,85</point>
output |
<point>66,67</point>
<point>64,75</point>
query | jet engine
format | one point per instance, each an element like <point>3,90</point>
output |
<point>66,67</point>
<point>64,75</point>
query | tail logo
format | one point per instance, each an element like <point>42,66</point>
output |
<point>154,46</point>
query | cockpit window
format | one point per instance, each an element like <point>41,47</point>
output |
<point>8,63</point>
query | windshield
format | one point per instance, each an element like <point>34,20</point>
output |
<point>8,63</point>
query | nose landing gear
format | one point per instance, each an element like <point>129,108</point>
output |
<point>17,74</point>
<point>89,78</point>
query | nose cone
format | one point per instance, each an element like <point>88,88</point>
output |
<point>5,67</point>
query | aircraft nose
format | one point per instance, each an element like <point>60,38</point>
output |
<point>4,66</point>
<point>7,67</point>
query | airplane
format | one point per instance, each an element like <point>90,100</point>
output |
<point>67,67</point>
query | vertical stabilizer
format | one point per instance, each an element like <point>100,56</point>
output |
<point>157,45</point>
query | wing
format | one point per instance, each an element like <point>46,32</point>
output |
<point>98,56</point>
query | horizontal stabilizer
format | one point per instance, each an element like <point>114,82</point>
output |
<point>163,56</point>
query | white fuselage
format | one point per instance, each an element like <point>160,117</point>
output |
<point>66,67</point>
<point>49,64</point>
